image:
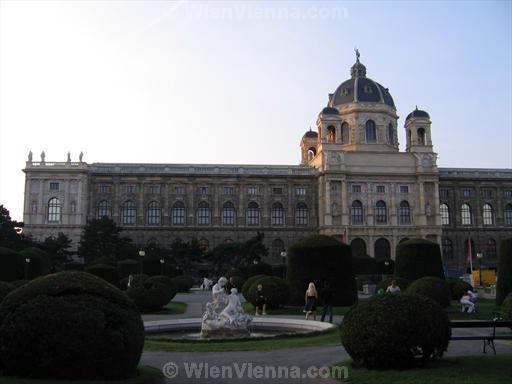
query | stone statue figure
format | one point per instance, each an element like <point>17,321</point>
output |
<point>357,53</point>
<point>81,156</point>
<point>69,157</point>
<point>43,155</point>
<point>224,317</point>
<point>29,156</point>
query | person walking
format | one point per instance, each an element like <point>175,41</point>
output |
<point>261,301</point>
<point>327,296</point>
<point>311,298</point>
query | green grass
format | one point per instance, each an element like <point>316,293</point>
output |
<point>294,310</point>
<point>484,310</point>
<point>175,308</point>
<point>458,370</point>
<point>145,375</point>
<point>266,344</point>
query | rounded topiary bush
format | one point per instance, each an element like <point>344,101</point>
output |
<point>248,283</point>
<point>73,266</point>
<point>417,258</point>
<point>106,272</point>
<point>136,279</point>
<point>384,284</point>
<point>183,283</point>
<point>18,283</point>
<point>458,287</point>
<point>435,288</point>
<point>12,265</point>
<point>395,331</point>
<point>5,289</point>
<point>128,267</point>
<point>318,259</point>
<point>275,290</point>
<point>364,265</point>
<point>504,283</point>
<point>151,296</point>
<point>506,307</point>
<point>70,325</point>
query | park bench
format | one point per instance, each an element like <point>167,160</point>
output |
<point>487,338</point>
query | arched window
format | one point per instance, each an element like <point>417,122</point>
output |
<point>356,212</point>
<point>447,249</point>
<point>465,212</point>
<point>54,210</point>
<point>331,134</point>
<point>277,248</point>
<point>252,215</point>
<point>103,209</point>
<point>358,247</point>
<point>228,213</point>
<point>277,214</point>
<point>382,249</point>
<point>371,132</point>
<point>444,211</point>
<point>128,213</point>
<point>178,213</point>
<point>488,214</point>
<point>301,214</point>
<point>390,134</point>
<point>490,250</point>
<point>344,133</point>
<point>153,213</point>
<point>421,136</point>
<point>381,216</point>
<point>203,213</point>
<point>404,214</point>
<point>508,214</point>
<point>204,245</point>
<point>311,153</point>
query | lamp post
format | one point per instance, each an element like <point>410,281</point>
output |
<point>386,265</point>
<point>162,263</point>
<point>27,262</point>
<point>142,253</point>
<point>283,258</point>
<point>480,256</point>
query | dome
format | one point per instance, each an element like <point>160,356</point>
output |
<point>360,89</point>
<point>330,111</point>
<point>311,134</point>
<point>417,113</point>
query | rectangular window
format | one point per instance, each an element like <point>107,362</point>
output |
<point>178,215</point>
<point>104,188</point>
<point>129,189</point>
<point>179,189</point>
<point>229,190</point>
<point>356,188</point>
<point>487,193</point>
<point>508,193</point>
<point>252,190</point>
<point>277,191</point>
<point>444,193</point>
<point>300,191</point>
<point>381,189</point>
<point>34,207</point>
<point>203,190</point>
<point>404,189</point>
<point>155,189</point>
<point>54,186</point>
<point>466,192</point>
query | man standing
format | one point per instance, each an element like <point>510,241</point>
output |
<point>327,298</point>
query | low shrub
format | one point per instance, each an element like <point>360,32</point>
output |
<point>5,289</point>
<point>384,284</point>
<point>151,295</point>
<point>435,288</point>
<point>395,331</point>
<point>275,290</point>
<point>106,272</point>
<point>183,283</point>
<point>506,307</point>
<point>458,287</point>
<point>136,279</point>
<point>70,326</point>
<point>248,283</point>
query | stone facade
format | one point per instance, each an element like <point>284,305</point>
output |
<point>353,183</point>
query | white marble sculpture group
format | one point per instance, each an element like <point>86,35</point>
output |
<point>224,316</point>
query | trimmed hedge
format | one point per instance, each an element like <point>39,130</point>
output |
<point>18,283</point>
<point>458,287</point>
<point>417,258</point>
<point>73,266</point>
<point>275,290</point>
<point>136,279</point>
<point>12,265</point>
<point>321,258</point>
<point>39,262</point>
<point>435,288</point>
<point>151,295</point>
<point>248,283</point>
<point>128,267</point>
<point>506,307</point>
<point>504,284</point>
<point>384,284</point>
<point>389,331</point>
<point>70,325</point>
<point>5,289</point>
<point>183,283</point>
<point>364,265</point>
<point>106,272</point>
<point>383,269</point>
<point>261,268</point>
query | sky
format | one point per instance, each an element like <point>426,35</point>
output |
<point>240,82</point>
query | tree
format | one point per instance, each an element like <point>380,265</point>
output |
<point>57,249</point>
<point>253,249</point>
<point>10,236</point>
<point>101,239</point>
<point>185,253</point>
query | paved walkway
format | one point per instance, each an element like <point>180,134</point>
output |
<point>303,358</point>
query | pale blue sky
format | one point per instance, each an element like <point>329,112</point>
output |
<point>240,82</point>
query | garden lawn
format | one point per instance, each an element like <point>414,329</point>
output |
<point>488,369</point>
<point>292,341</point>
<point>146,375</point>
<point>175,308</point>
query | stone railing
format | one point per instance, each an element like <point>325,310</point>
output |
<point>475,173</point>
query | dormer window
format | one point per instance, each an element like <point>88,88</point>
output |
<point>368,89</point>
<point>345,91</point>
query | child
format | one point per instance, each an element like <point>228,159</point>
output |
<point>261,301</point>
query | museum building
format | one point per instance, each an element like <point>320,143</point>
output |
<point>353,183</point>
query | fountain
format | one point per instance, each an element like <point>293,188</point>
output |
<point>224,316</point>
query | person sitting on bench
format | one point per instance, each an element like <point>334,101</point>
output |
<point>466,302</point>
